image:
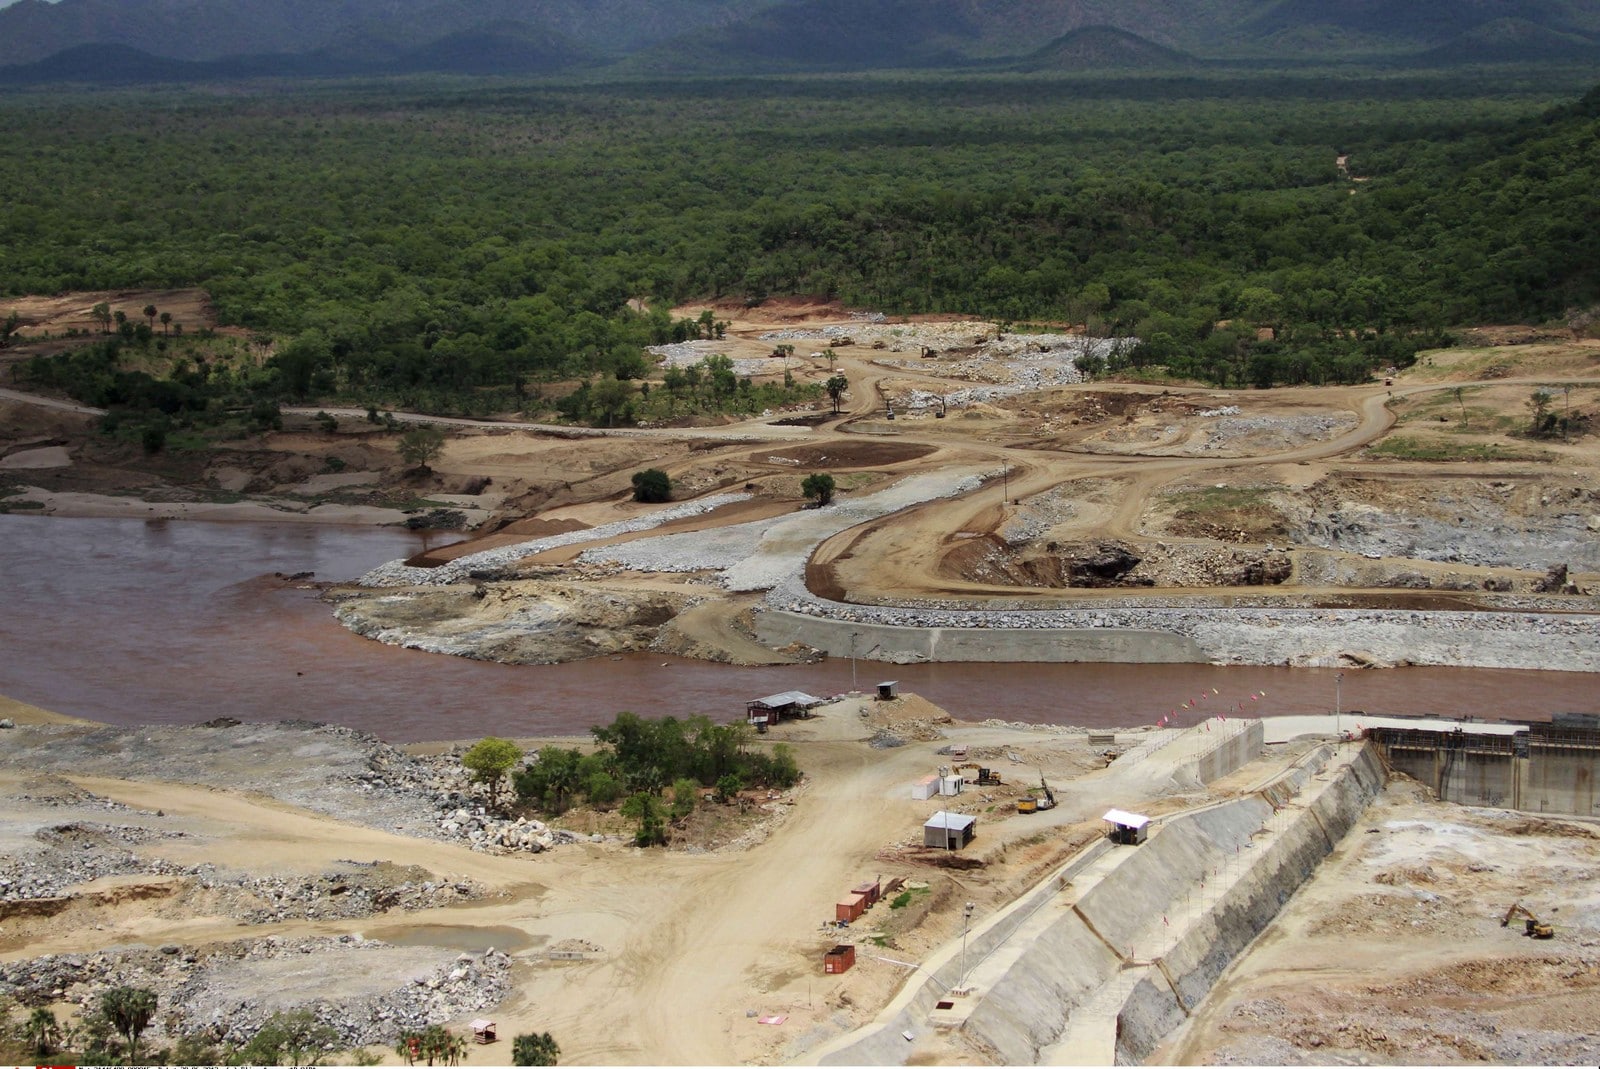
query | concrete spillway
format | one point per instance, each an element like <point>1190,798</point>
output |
<point>1106,957</point>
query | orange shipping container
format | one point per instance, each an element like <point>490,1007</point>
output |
<point>850,907</point>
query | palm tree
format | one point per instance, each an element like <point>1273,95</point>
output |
<point>166,322</point>
<point>150,314</point>
<point>129,1010</point>
<point>42,1031</point>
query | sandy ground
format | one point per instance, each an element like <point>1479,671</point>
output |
<point>693,942</point>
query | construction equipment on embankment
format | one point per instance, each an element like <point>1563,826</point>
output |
<point>1532,926</point>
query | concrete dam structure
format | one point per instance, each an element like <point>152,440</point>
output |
<point>1101,961</point>
<point>1545,768</point>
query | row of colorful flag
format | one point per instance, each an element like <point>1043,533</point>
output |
<point>1194,703</point>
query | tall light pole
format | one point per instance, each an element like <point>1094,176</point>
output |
<point>853,636</point>
<point>1338,702</point>
<point>1005,480</point>
<point>966,923</point>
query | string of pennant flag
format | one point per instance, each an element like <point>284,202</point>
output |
<point>1207,695</point>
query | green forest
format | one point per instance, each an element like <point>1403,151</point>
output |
<point>451,245</point>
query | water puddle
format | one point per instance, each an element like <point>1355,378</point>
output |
<point>463,937</point>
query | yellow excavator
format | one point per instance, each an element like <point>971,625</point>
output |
<point>1532,925</point>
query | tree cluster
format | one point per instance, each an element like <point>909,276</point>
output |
<point>642,757</point>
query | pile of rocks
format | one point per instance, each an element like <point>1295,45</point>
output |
<point>76,853</point>
<point>197,993</point>
<point>398,573</point>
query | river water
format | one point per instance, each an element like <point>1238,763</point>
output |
<point>174,622</point>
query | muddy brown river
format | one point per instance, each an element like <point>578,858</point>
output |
<point>172,622</point>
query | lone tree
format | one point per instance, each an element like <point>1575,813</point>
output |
<point>129,1010</point>
<point>150,314</point>
<point>102,315</point>
<point>535,1048</point>
<point>421,446</point>
<point>819,485</point>
<point>488,762</point>
<point>652,485</point>
<point>166,322</point>
<point>836,387</point>
<point>1543,419</point>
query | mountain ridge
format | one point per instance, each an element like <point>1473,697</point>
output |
<point>706,36</point>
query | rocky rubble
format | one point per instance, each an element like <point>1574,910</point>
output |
<point>1310,637</point>
<point>198,990</point>
<point>398,573</point>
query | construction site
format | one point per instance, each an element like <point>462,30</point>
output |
<point>934,892</point>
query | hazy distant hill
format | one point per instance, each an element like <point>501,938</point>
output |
<point>31,30</point>
<point>1103,48</point>
<point>934,33</point>
<point>522,36</point>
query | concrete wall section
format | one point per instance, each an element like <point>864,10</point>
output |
<point>1538,771</point>
<point>1561,779</point>
<point>917,644</point>
<point>1475,777</point>
<point>1153,1008</point>
<point>1233,753</point>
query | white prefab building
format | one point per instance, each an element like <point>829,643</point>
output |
<point>949,831</point>
<point>1129,829</point>
<point>925,788</point>
<point>952,785</point>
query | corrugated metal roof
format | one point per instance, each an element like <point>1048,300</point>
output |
<point>946,819</point>
<point>788,697</point>
<point>1125,818</point>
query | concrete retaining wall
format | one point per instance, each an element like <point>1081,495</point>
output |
<point>905,645</point>
<point>1156,1006</point>
<point>1557,774</point>
<point>1232,754</point>
<point>1561,779</point>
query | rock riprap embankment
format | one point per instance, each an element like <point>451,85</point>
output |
<point>364,990</point>
<point>1308,637</point>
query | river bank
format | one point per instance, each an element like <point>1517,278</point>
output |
<point>133,622</point>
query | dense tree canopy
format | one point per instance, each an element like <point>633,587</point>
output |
<point>443,246</point>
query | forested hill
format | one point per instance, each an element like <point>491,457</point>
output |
<point>440,246</point>
<point>251,37</point>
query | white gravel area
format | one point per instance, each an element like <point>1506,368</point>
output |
<point>690,353</point>
<point>760,554</point>
<point>396,572</point>
<point>1277,431</point>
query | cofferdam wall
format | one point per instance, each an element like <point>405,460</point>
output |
<point>889,642</point>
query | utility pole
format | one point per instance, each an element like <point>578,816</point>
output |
<point>1005,480</point>
<point>1338,702</point>
<point>966,923</point>
<point>853,636</point>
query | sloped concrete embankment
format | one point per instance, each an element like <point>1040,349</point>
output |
<point>1164,997</point>
<point>883,1042</point>
<point>1143,941</point>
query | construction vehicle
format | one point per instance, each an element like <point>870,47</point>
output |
<point>1532,926</point>
<point>1032,804</point>
<point>986,777</point>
